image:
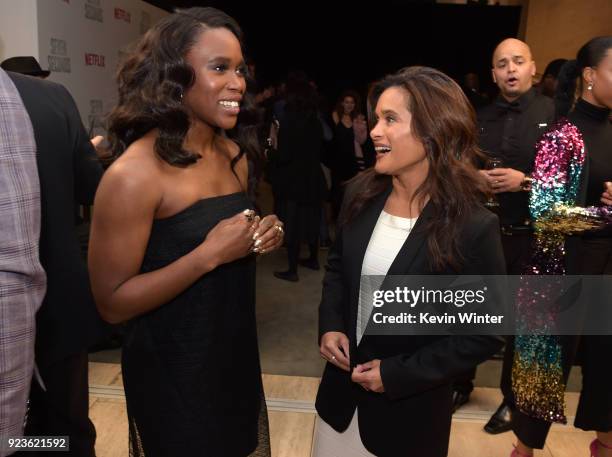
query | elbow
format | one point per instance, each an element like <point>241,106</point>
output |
<point>109,315</point>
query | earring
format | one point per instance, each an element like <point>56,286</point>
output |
<point>590,86</point>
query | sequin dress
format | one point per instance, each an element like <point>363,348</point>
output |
<point>191,367</point>
<point>586,133</point>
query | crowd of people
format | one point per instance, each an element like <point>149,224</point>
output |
<point>428,177</point>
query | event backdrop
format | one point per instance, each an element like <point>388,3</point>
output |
<point>81,42</point>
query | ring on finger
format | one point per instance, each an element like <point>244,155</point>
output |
<point>249,214</point>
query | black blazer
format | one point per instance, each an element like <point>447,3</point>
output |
<point>414,413</point>
<point>69,172</point>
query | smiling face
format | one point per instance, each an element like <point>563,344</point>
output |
<point>219,69</point>
<point>398,150</point>
<point>513,68</point>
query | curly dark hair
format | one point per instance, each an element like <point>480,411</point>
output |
<point>152,79</point>
<point>444,121</point>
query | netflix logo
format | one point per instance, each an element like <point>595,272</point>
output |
<point>94,60</point>
<point>123,15</point>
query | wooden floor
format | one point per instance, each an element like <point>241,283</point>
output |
<point>291,412</point>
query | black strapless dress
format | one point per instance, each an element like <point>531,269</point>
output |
<point>191,368</point>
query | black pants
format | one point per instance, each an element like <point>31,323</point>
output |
<point>62,410</point>
<point>302,223</point>
<point>595,406</point>
<point>517,252</point>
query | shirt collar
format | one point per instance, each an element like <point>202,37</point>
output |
<point>519,105</point>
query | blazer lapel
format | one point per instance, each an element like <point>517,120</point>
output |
<point>357,235</point>
<point>411,250</point>
<point>413,244</point>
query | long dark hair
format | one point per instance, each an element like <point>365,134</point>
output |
<point>570,82</point>
<point>154,77</point>
<point>339,109</point>
<point>444,121</point>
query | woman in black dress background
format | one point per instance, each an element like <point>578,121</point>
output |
<point>351,150</point>
<point>171,243</point>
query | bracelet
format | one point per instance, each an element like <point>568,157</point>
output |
<point>526,183</point>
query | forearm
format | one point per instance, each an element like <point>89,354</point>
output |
<point>148,291</point>
<point>436,363</point>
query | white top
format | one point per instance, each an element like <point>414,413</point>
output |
<point>387,239</point>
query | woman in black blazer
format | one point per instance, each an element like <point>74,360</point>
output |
<point>396,390</point>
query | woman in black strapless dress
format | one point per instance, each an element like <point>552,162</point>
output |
<point>173,244</point>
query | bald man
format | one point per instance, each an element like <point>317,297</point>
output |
<point>509,129</point>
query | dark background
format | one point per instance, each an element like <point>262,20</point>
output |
<point>343,45</point>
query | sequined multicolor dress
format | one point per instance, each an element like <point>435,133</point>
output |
<point>573,161</point>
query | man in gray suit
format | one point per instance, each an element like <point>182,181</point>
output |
<point>22,278</point>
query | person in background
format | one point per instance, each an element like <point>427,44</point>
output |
<point>67,324</point>
<point>22,278</point>
<point>300,177</point>
<point>584,126</point>
<point>508,131</point>
<point>25,65</point>
<point>346,155</point>
<point>548,83</point>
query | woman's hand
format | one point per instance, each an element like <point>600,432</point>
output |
<point>367,375</point>
<point>269,235</point>
<point>231,238</point>
<point>606,197</point>
<point>335,349</point>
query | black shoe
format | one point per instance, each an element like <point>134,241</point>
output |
<point>501,420</point>
<point>310,263</point>
<point>459,399</point>
<point>287,275</point>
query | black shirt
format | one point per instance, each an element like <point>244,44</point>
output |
<point>594,124</point>
<point>509,131</point>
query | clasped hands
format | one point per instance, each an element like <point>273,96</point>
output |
<point>335,349</point>
<point>240,235</point>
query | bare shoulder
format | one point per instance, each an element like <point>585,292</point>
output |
<point>134,176</point>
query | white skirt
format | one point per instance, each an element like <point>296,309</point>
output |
<point>330,443</point>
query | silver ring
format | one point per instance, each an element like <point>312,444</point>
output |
<point>279,229</point>
<point>249,214</point>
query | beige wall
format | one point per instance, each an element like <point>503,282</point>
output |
<point>18,30</point>
<point>558,28</point>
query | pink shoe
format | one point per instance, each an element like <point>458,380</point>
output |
<point>516,453</point>
<point>595,447</point>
